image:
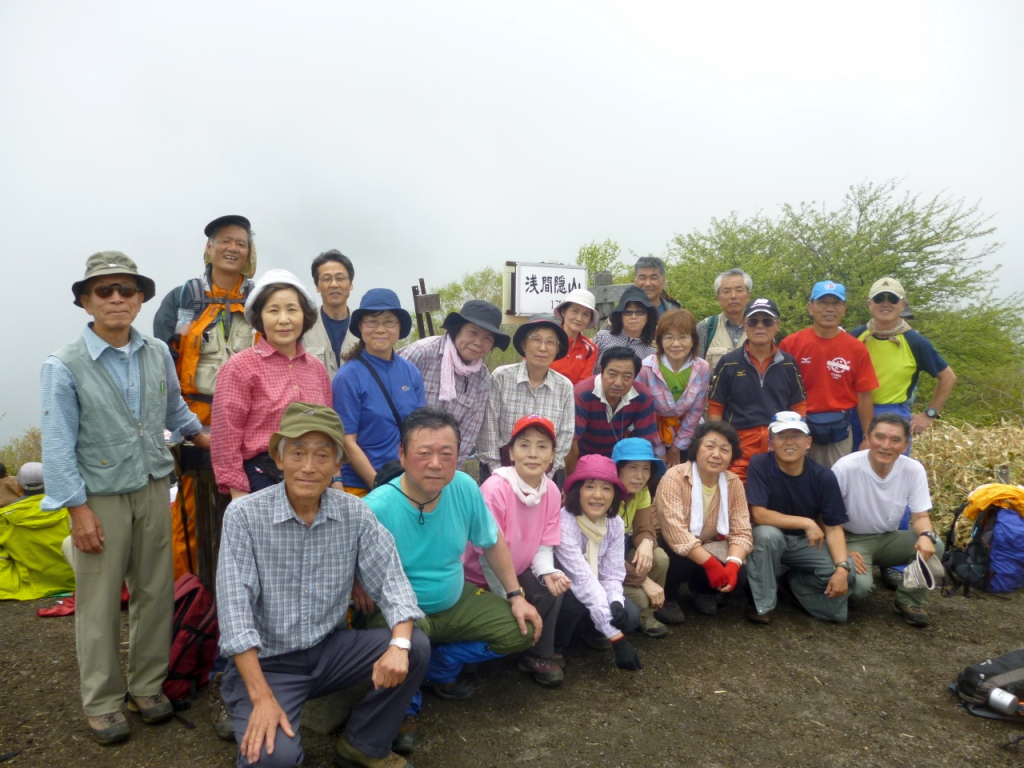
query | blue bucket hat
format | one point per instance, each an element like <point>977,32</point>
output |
<point>381,300</point>
<point>637,449</point>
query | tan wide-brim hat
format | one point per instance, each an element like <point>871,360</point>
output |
<point>112,263</point>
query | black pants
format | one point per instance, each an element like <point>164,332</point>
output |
<point>681,568</point>
<point>575,616</point>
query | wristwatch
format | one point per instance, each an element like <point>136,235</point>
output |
<point>514,593</point>
<point>401,642</point>
<point>843,564</point>
<point>932,535</point>
<point>931,413</point>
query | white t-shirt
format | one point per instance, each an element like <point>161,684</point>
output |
<point>875,504</point>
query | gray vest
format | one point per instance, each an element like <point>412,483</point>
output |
<point>117,454</point>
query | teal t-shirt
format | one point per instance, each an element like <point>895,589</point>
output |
<point>431,553</point>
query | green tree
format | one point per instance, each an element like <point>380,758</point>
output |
<point>936,246</point>
<point>28,447</point>
<point>604,257</point>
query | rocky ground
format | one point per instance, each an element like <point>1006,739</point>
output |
<point>718,692</point>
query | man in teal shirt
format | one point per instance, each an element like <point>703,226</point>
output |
<point>433,512</point>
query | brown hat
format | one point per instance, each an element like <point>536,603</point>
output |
<point>299,419</point>
<point>112,263</point>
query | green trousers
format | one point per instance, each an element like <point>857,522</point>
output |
<point>887,550</point>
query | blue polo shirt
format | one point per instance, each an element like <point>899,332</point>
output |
<point>364,409</point>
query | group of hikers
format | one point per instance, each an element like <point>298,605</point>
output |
<point>612,470</point>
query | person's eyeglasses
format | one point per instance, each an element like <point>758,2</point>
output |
<point>390,324</point>
<point>339,279</point>
<point>542,341</point>
<point>886,298</point>
<point>107,290</point>
<point>634,313</point>
<point>767,322</point>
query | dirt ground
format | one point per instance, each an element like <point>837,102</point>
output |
<point>718,692</point>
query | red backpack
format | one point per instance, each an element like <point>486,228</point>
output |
<point>195,636</point>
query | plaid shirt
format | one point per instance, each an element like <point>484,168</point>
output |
<point>472,391</point>
<point>688,409</point>
<point>253,389</point>
<point>64,484</point>
<point>606,340</point>
<point>512,398</point>
<point>284,586</point>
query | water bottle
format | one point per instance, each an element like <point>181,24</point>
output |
<point>1003,701</point>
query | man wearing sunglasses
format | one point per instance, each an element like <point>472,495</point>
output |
<point>899,354</point>
<point>753,383</point>
<point>107,398</point>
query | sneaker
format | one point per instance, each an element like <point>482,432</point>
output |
<point>764,619</point>
<point>405,741</point>
<point>456,690</point>
<point>914,616</point>
<point>222,724</point>
<point>651,627</point>
<point>348,756</point>
<point>705,603</point>
<point>544,671</point>
<point>109,729</point>
<point>670,613</point>
<point>153,709</point>
<point>597,641</point>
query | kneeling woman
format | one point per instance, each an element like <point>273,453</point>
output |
<point>525,504</point>
<point>646,562</point>
<point>704,519</point>
<point>592,554</point>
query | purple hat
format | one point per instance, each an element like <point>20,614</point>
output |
<point>594,466</point>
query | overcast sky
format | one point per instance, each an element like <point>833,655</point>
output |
<point>434,138</point>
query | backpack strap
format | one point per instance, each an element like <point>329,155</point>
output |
<point>376,377</point>
<point>712,330</point>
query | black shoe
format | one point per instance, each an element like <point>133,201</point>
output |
<point>597,641</point>
<point>456,690</point>
<point>405,741</point>
<point>670,613</point>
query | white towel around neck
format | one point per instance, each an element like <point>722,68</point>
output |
<point>697,504</point>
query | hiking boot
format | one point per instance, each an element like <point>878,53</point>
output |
<point>670,613</point>
<point>544,671</point>
<point>109,729</point>
<point>456,690</point>
<point>764,619</point>
<point>348,756</point>
<point>222,724</point>
<point>651,627</point>
<point>559,660</point>
<point>597,641</point>
<point>705,603</point>
<point>914,616</point>
<point>153,709</point>
<point>405,741</point>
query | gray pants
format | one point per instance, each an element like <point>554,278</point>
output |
<point>827,455</point>
<point>810,569</point>
<point>887,550</point>
<point>342,659</point>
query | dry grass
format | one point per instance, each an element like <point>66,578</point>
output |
<point>959,458</point>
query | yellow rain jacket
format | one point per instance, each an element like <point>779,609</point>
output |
<point>31,563</point>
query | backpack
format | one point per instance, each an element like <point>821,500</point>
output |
<point>195,636</point>
<point>969,566</point>
<point>974,684</point>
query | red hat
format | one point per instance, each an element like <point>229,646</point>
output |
<point>533,420</point>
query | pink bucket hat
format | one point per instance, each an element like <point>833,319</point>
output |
<point>593,466</point>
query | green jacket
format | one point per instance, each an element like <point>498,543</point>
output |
<point>31,563</point>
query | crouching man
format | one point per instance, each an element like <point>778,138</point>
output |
<point>288,558</point>
<point>798,516</point>
<point>878,485</point>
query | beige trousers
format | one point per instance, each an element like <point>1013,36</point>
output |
<point>656,574</point>
<point>136,550</point>
<point>827,455</point>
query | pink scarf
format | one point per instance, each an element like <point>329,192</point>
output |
<point>451,366</point>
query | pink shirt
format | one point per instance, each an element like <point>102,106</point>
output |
<point>525,528</point>
<point>253,389</point>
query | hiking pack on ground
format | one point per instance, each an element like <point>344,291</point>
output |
<point>985,544</point>
<point>196,633</point>
<point>975,684</point>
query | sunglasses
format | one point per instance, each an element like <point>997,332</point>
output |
<point>886,298</point>
<point>767,322</point>
<point>107,290</point>
<point>634,313</point>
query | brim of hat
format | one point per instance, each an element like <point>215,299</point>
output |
<point>277,437</point>
<point>454,322</point>
<point>225,221</point>
<point>525,328</point>
<point>828,293</point>
<point>658,468</point>
<point>404,320</point>
<point>785,428</point>
<point>760,311</point>
<point>147,285</point>
<point>895,293</point>
<point>541,427</point>
<point>593,313</point>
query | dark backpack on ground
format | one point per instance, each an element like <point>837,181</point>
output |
<point>970,567</point>
<point>974,684</point>
<point>195,636</point>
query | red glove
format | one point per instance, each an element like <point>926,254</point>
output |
<point>732,571</point>
<point>718,577</point>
